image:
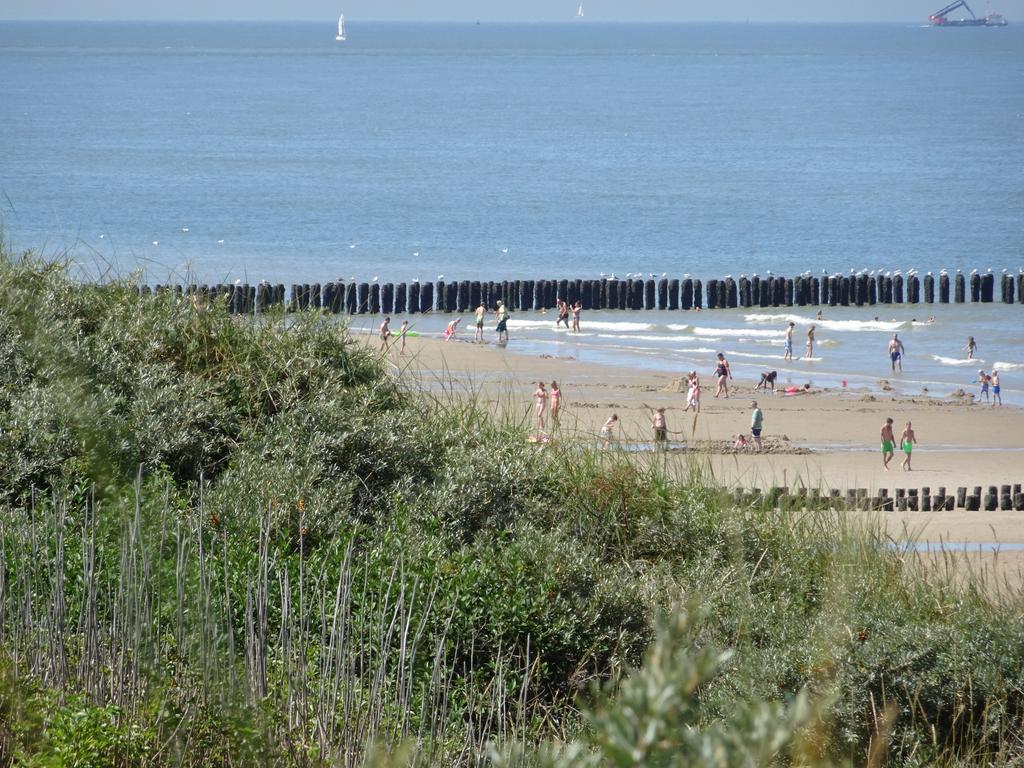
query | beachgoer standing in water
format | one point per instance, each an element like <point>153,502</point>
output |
<point>983,380</point>
<point>756,420</point>
<point>502,328</point>
<point>540,399</point>
<point>480,312</point>
<point>896,352</point>
<point>660,429</point>
<point>887,443</point>
<point>810,343</point>
<point>555,400</point>
<point>789,342</point>
<point>723,372</point>
<point>819,316</point>
<point>693,393</point>
<point>907,440</point>
<point>996,397</point>
<point>606,430</point>
<point>576,317</point>
<point>401,335</point>
<point>385,334</point>
<point>563,314</point>
<point>972,347</point>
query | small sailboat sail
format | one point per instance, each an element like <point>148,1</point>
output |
<point>341,28</point>
<point>579,11</point>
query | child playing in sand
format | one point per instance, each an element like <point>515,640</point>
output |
<point>907,440</point>
<point>452,329</point>
<point>983,380</point>
<point>693,393</point>
<point>660,428</point>
<point>741,443</point>
<point>606,431</point>
<point>767,380</point>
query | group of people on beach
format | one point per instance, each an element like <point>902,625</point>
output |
<point>546,401</point>
<point>451,331</point>
<point>907,442</point>
<point>788,352</point>
<point>990,379</point>
<point>565,310</point>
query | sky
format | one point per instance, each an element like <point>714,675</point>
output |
<point>494,10</point>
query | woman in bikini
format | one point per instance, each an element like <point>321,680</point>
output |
<point>723,372</point>
<point>540,398</point>
<point>576,317</point>
<point>555,403</point>
<point>810,343</point>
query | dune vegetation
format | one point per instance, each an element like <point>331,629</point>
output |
<point>236,542</point>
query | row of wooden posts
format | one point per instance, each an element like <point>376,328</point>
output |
<point>1005,497</point>
<point>609,293</point>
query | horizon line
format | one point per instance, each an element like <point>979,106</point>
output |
<point>472,22</point>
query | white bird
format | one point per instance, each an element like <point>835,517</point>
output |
<point>238,282</point>
<point>102,236</point>
<point>664,274</point>
<point>156,242</point>
<point>602,274</point>
<point>352,279</point>
<point>769,273</point>
<point>220,242</point>
<point>686,275</point>
<point>504,250</point>
<point>184,229</point>
<point>415,253</point>
<point>440,277</point>
<point>415,279</point>
<point>374,279</point>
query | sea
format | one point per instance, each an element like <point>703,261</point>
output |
<point>245,151</point>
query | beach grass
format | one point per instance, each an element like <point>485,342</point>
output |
<point>248,541</point>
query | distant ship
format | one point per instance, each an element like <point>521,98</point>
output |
<point>941,17</point>
<point>579,11</point>
<point>341,29</point>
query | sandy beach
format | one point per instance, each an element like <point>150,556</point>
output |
<point>825,439</point>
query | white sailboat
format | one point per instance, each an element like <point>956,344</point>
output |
<point>579,11</point>
<point>341,28</point>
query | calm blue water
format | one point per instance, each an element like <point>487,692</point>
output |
<point>580,148</point>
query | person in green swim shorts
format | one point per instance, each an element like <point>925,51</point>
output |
<point>907,441</point>
<point>887,443</point>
